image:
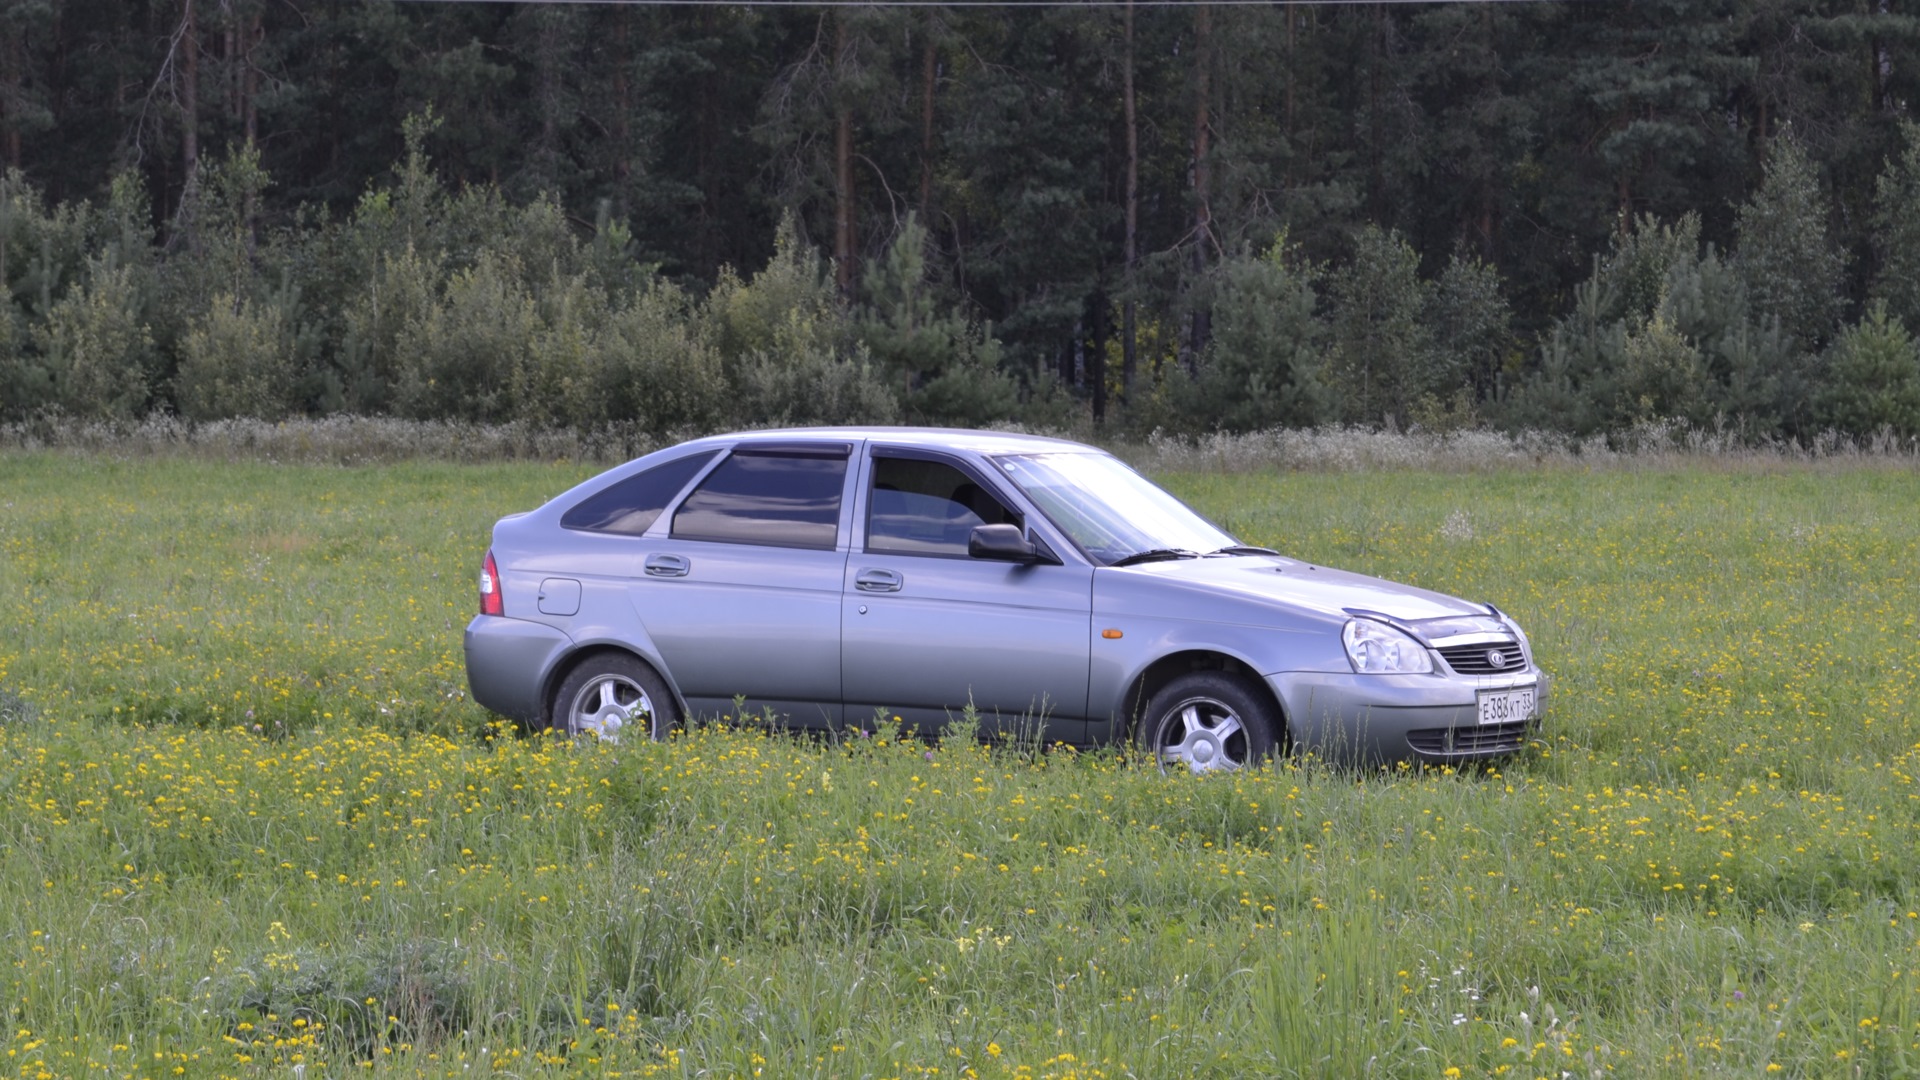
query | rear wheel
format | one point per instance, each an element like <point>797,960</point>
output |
<point>1209,721</point>
<point>609,695</point>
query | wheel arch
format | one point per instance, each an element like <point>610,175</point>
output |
<point>1164,670</point>
<point>586,650</point>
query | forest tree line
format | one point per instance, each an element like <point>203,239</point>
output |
<point>1189,217</point>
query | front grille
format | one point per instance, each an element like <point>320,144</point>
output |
<point>1480,739</point>
<point>1478,659</point>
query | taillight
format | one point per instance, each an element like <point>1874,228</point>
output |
<point>490,588</point>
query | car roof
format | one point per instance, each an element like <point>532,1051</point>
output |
<point>980,442</point>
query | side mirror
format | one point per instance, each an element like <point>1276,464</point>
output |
<point>1003,543</point>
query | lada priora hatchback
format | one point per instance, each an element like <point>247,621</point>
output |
<point>824,577</point>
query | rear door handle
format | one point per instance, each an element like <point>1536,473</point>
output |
<point>667,565</point>
<point>875,580</point>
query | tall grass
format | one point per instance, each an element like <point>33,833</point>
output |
<point>251,823</point>
<point>372,440</point>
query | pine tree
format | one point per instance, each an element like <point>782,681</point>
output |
<point>1382,359</point>
<point>1873,378</point>
<point>1790,268</point>
<point>1662,330</point>
<point>1472,328</point>
<point>945,368</point>
<point>1896,230</point>
<point>1262,368</point>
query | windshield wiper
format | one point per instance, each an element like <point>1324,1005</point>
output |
<point>1156,555</point>
<point>1243,549</point>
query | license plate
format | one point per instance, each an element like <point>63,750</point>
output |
<point>1507,706</point>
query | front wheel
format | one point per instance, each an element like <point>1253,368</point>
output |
<point>613,694</point>
<point>1209,721</point>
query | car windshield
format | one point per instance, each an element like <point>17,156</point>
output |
<point>1112,512</point>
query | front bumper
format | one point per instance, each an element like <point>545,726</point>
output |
<point>1377,719</point>
<point>508,661</point>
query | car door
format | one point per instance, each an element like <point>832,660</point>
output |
<point>741,596</point>
<point>927,630</point>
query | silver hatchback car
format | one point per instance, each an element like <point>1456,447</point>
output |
<point>822,577</point>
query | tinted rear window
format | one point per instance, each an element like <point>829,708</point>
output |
<point>631,505</point>
<point>763,498</point>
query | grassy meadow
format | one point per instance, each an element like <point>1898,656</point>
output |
<point>250,824</point>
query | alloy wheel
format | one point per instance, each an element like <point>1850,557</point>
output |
<point>607,705</point>
<point>1204,734</point>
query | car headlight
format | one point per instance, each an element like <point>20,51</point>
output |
<point>1378,649</point>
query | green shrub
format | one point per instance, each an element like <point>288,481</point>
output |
<point>1263,367</point>
<point>1873,378</point>
<point>789,306</point>
<point>1663,330</point>
<point>945,368</point>
<point>457,357</point>
<point>1896,230</point>
<point>1661,373</point>
<point>1789,266</point>
<point>1382,361</point>
<point>655,372</point>
<point>24,383</point>
<point>1472,329</point>
<point>787,344</point>
<point>790,388</point>
<point>98,348</point>
<point>400,291</point>
<point>240,359</point>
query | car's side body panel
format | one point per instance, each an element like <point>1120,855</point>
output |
<point>924,636</point>
<point>1157,615</point>
<point>1010,640</point>
<point>748,622</point>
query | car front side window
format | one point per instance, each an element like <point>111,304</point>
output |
<point>923,507</point>
<point>776,499</point>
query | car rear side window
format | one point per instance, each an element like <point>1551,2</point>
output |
<point>776,499</point>
<point>920,507</point>
<point>629,506</point>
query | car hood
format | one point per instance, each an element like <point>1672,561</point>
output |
<point>1248,583</point>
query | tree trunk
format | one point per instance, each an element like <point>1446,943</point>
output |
<point>1882,67</point>
<point>1375,181</point>
<point>12,79</point>
<point>1287,98</point>
<point>929,68</point>
<point>1202,125</point>
<point>250,79</point>
<point>1491,90</point>
<point>705,138</point>
<point>189,90</point>
<point>842,165</point>
<point>549,54</point>
<point>1129,362</point>
<point>1097,353</point>
<point>622,106</point>
<point>1202,169</point>
<point>230,64</point>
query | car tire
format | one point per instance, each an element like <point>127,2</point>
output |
<point>609,694</point>
<point>1209,721</point>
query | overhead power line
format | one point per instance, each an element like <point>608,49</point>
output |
<point>976,3</point>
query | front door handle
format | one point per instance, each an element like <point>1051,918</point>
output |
<point>876,580</point>
<point>667,565</point>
